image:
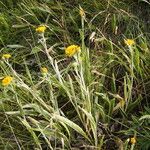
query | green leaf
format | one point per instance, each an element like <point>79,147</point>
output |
<point>29,128</point>
<point>92,123</point>
<point>35,50</point>
<point>145,1</point>
<point>15,46</point>
<point>145,117</point>
<point>71,124</point>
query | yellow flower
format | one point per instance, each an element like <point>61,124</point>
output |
<point>44,70</point>
<point>6,56</point>
<point>133,140</point>
<point>71,50</point>
<point>122,103</point>
<point>129,42</point>
<point>7,80</point>
<point>41,29</point>
<point>81,12</point>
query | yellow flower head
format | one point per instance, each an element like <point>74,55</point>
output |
<point>44,70</point>
<point>129,42</point>
<point>6,56</point>
<point>71,50</point>
<point>7,80</point>
<point>81,12</point>
<point>121,103</point>
<point>41,29</point>
<point>133,140</point>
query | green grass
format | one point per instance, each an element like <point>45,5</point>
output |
<point>97,99</point>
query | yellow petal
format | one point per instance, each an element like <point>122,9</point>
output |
<point>41,29</point>
<point>7,80</point>
<point>71,50</point>
<point>6,56</point>
<point>133,140</point>
<point>44,70</point>
<point>129,42</point>
<point>81,12</point>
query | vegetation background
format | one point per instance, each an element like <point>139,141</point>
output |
<point>97,99</point>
